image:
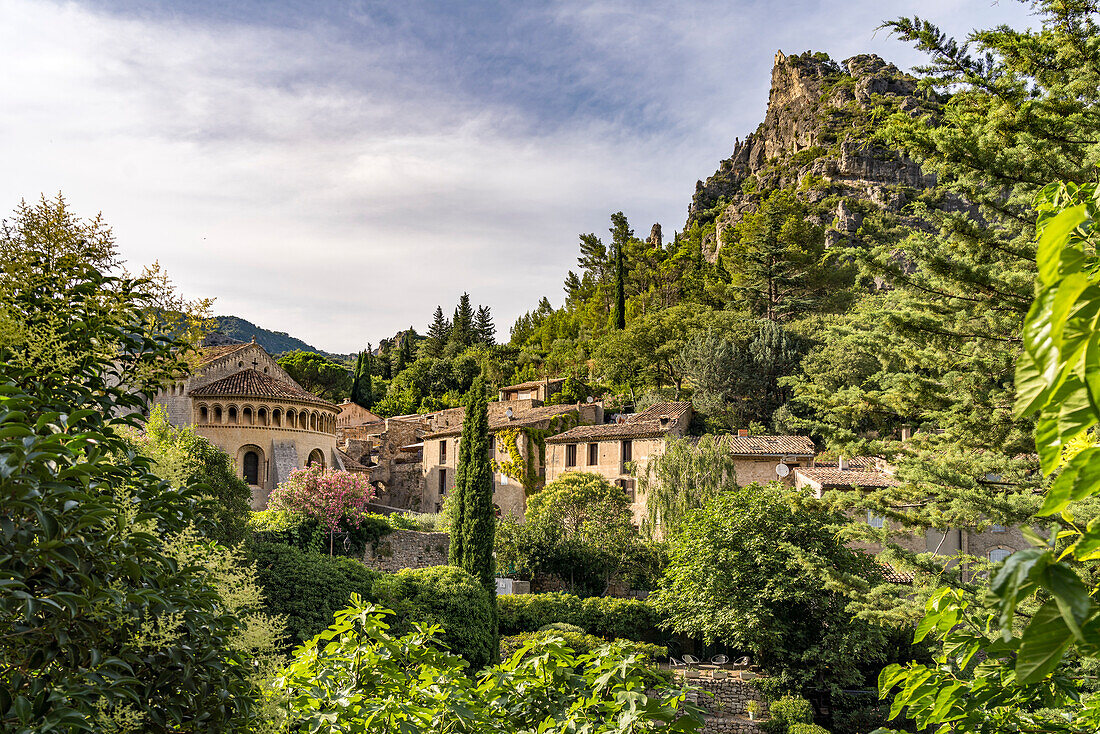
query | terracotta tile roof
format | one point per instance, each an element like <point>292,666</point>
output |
<point>674,410</point>
<point>831,476</point>
<point>768,445</point>
<point>250,383</point>
<point>520,419</point>
<point>609,431</point>
<point>212,354</point>
<point>533,383</point>
<point>894,576</point>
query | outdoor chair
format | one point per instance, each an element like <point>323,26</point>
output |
<point>719,660</point>
<point>741,663</point>
<point>674,663</point>
<point>691,661</point>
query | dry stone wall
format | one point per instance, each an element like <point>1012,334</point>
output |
<point>408,549</point>
<point>725,701</point>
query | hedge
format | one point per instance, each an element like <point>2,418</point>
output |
<point>307,534</point>
<point>443,595</point>
<point>306,586</point>
<point>606,617</point>
<point>807,729</point>
<point>309,587</point>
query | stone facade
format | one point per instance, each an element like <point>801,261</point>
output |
<point>540,390</point>
<point>242,401</point>
<point>352,414</point>
<point>408,549</point>
<point>440,452</point>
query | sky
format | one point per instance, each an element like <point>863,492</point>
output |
<point>336,170</point>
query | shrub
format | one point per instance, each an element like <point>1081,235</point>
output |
<point>807,729</point>
<point>308,587</point>
<point>562,627</point>
<point>331,497</point>
<point>307,534</point>
<point>360,676</point>
<point>605,617</point>
<point>787,712</point>
<point>443,595</point>
<point>581,644</point>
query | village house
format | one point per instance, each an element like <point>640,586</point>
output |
<point>353,415</point>
<point>995,543</point>
<point>540,390</point>
<point>243,402</point>
<point>765,459</point>
<point>611,449</point>
<point>516,431</point>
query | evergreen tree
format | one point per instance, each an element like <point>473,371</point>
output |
<point>479,515</point>
<point>363,394</point>
<point>358,375</point>
<point>407,340</point>
<point>484,327</point>
<point>399,363</point>
<point>438,333</point>
<point>462,326</point>
<point>620,236</point>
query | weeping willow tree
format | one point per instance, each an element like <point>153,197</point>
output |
<point>682,479</point>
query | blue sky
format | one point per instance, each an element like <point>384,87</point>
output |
<point>335,170</point>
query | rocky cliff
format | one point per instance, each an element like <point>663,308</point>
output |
<point>818,138</point>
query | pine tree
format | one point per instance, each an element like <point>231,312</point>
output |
<point>438,333</point>
<point>484,327</point>
<point>462,326</point>
<point>474,487</point>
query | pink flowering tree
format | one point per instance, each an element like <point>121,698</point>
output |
<point>326,495</point>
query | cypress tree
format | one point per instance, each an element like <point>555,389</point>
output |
<point>472,539</point>
<point>366,381</point>
<point>357,376</point>
<point>620,288</point>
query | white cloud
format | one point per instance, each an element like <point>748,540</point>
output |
<point>339,191</point>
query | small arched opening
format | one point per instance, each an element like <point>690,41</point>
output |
<point>313,421</point>
<point>251,467</point>
<point>217,414</point>
<point>204,414</point>
<point>246,416</point>
<point>303,420</point>
<point>261,416</point>
<point>277,418</point>
<point>316,457</point>
<point>291,419</point>
<point>232,414</point>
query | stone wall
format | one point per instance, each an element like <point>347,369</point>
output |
<point>408,549</point>
<point>724,702</point>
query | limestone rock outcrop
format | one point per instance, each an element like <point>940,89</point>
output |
<point>817,136</point>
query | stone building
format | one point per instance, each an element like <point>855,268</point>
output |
<point>243,402</point>
<point>392,450</point>
<point>516,429</point>
<point>355,415</point>
<point>759,458</point>
<point>540,390</point>
<point>995,543</point>
<point>610,449</point>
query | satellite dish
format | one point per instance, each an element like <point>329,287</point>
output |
<point>591,399</point>
<point>782,469</point>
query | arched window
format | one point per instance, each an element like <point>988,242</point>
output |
<point>232,414</point>
<point>291,419</point>
<point>313,421</point>
<point>246,415</point>
<point>276,417</point>
<point>261,416</point>
<point>204,414</point>
<point>316,457</point>
<point>874,520</point>
<point>999,554</point>
<point>252,467</point>
<point>217,414</point>
<point>303,420</point>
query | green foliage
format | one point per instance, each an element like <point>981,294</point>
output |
<point>307,587</point>
<point>682,479</point>
<point>579,643</point>
<point>578,527</point>
<point>749,571</point>
<point>444,596</point>
<point>1057,375</point>
<point>186,459</point>
<point>356,672</point>
<point>100,628</point>
<point>790,711</point>
<point>308,534</point>
<point>562,627</point>
<point>806,728</point>
<point>603,616</point>
<point>319,375</point>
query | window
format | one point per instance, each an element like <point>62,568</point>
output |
<point>874,520</point>
<point>628,450</point>
<point>997,528</point>
<point>442,451</point>
<point>593,454</point>
<point>442,482</point>
<point>999,554</point>
<point>251,467</point>
<point>492,446</point>
<point>571,454</point>
<point>628,487</point>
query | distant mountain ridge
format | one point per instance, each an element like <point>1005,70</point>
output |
<point>274,342</point>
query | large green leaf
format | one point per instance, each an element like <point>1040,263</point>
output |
<point>1078,480</point>
<point>1044,642</point>
<point>1055,238</point>
<point>1070,594</point>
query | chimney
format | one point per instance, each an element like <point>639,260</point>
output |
<point>842,463</point>
<point>743,432</point>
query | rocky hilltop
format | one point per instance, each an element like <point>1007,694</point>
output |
<point>818,138</point>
